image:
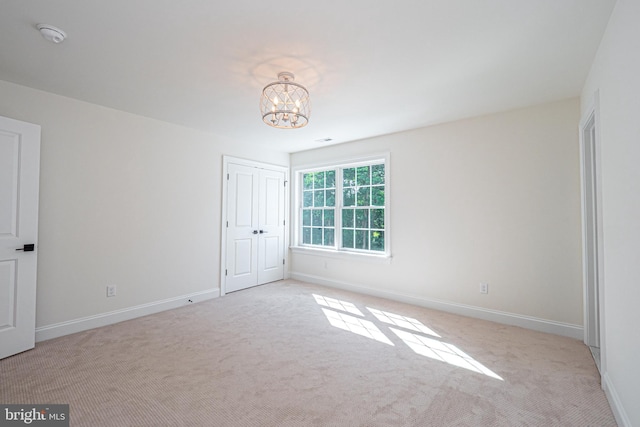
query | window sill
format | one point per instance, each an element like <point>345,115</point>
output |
<point>343,255</point>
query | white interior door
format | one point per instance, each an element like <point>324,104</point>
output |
<point>271,226</point>
<point>19,184</point>
<point>255,225</point>
<point>242,227</point>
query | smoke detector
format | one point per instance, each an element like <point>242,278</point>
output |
<point>51,33</point>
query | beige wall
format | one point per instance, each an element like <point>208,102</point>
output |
<point>124,200</point>
<point>494,199</point>
<point>614,75</point>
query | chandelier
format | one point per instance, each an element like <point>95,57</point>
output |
<point>285,104</point>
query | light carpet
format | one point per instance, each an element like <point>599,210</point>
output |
<point>294,354</point>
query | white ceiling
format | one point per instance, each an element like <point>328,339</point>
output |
<point>372,67</point>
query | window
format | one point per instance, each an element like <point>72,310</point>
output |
<point>318,212</point>
<point>344,207</point>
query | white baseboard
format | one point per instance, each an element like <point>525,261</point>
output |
<point>534,323</point>
<point>56,330</point>
<point>614,401</point>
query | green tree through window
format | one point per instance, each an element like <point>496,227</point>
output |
<point>355,221</point>
<point>318,208</point>
<point>363,208</point>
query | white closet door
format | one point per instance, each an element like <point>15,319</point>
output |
<point>242,229</point>
<point>271,226</point>
<point>255,226</point>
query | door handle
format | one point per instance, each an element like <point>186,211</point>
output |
<point>255,231</point>
<point>263,232</point>
<point>27,248</point>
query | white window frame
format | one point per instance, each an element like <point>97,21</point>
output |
<point>337,251</point>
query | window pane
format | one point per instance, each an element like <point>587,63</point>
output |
<point>377,196</point>
<point>362,239</point>
<point>307,199</point>
<point>377,219</point>
<point>329,237</point>
<point>362,218</point>
<point>377,240</point>
<point>330,180</point>
<point>330,198</point>
<point>306,217</point>
<point>347,238</point>
<point>349,177</point>
<point>328,218</point>
<point>347,218</point>
<point>349,197</point>
<point>362,207</point>
<point>377,174</point>
<point>307,181</point>
<point>362,174</point>
<point>316,236</point>
<point>317,217</point>
<point>363,196</point>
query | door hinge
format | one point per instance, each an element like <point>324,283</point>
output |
<point>227,224</point>
<point>283,222</point>
<point>282,261</point>
<point>226,272</point>
<point>285,183</point>
<point>227,177</point>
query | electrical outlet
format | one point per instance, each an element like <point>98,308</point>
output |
<point>111,290</point>
<point>484,288</point>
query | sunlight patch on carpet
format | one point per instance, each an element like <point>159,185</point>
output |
<point>444,352</point>
<point>355,325</point>
<point>337,304</point>
<point>418,342</point>
<point>402,321</point>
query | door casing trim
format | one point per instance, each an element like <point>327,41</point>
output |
<point>590,116</point>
